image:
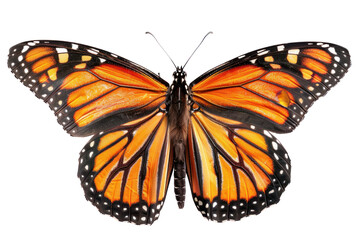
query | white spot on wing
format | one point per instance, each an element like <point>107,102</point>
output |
<point>332,50</point>
<point>294,51</point>
<point>262,52</point>
<point>280,48</point>
<point>275,145</point>
<point>74,46</point>
<point>61,50</point>
<point>267,133</point>
<point>25,48</point>
<point>93,51</point>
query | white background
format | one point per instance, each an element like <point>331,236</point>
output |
<point>41,196</point>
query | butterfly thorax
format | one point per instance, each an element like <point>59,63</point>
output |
<point>179,119</point>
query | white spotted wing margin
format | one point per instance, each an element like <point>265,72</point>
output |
<point>235,169</point>
<point>125,172</point>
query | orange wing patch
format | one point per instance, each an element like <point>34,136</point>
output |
<point>233,77</point>
<point>38,52</point>
<point>115,151</point>
<point>43,64</point>
<point>220,137</point>
<point>254,137</point>
<point>318,54</point>
<point>314,65</point>
<point>88,93</point>
<point>149,193</point>
<point>228,185</point>
<point>78,79</point>
<point>120,99</point>
<point>281,78</point>
<point>208,175</point>
<point>113,190</point>
<point>124,76</point>
<point>247,188</point>
<point>110,138</point>
<point>240,97</point>
<point>271,91</point>
<point>131,194</point>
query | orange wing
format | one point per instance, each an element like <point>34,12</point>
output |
<point>234,169</point>
<point>90,90</point>
<point>273,87</point>
<point>125,171</point>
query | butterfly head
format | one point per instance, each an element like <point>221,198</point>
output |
<point>179,75</point>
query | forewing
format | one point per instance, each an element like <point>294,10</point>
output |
<point>90,90</point>
<point>125,172</point>
<point>272,87</point>
<point>234,169</point>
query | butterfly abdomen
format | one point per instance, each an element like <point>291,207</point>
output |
<point>179,173</point>
<point>179,119</point>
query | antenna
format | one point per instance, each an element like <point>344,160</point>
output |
<point>161,47</point>
<point>197,48</point>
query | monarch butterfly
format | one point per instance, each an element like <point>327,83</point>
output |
<point>216,129</point>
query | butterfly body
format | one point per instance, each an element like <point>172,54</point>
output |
<point>216,130</point>
<point>179,121</point>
